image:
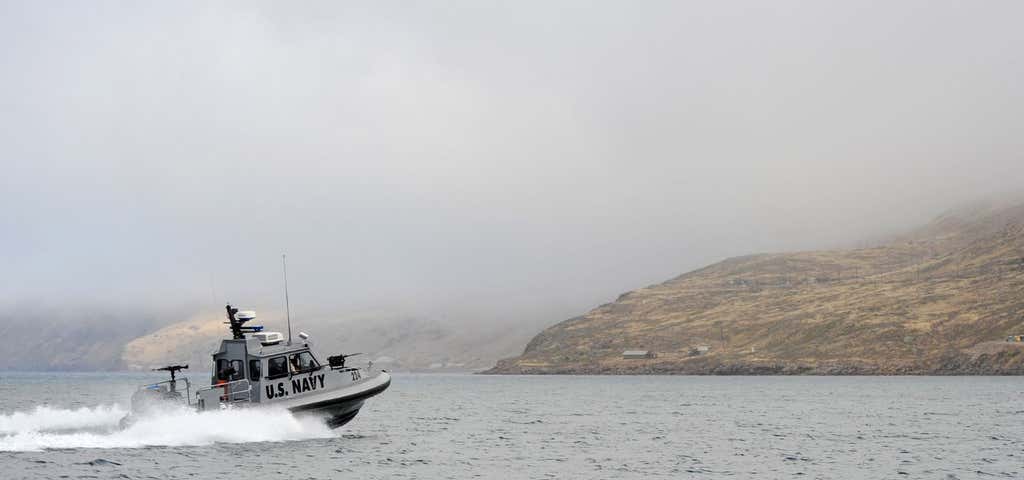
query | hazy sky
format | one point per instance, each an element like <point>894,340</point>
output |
<point>466,159</point>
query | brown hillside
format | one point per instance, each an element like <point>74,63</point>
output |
<point>937,301</point>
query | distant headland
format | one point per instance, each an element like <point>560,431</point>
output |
<point>944,299</point>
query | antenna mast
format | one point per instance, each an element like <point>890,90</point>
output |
<point>287,306</point>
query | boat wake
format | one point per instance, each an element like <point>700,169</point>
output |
<point>52,428</point>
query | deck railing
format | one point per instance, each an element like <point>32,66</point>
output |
<point>224,395</point>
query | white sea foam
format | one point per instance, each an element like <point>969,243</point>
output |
<point>48,428</point>
<point>45,418</point>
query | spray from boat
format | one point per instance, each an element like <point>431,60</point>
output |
<point>45,428</point>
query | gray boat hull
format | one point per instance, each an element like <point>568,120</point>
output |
<point>340,410</point>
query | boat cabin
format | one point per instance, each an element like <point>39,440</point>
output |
<point>255,360</point>
<point>243,363</point>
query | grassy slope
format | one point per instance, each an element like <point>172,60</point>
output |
<point>925,303</point>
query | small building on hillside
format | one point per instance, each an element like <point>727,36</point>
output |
<point>699,350</point>
<point>638,354</point>
<point>1015,338</point>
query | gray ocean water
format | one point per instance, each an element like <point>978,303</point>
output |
<point>468,426</point>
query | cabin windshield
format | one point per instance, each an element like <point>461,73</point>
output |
<point>302,362</point>
<point>277,367</point>
<point>229,370</point>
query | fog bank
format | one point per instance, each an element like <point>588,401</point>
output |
<point>477,161</point>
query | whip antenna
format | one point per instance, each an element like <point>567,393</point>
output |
<point>287,306</point>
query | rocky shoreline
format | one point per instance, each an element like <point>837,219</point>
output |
<point>1006,362</point>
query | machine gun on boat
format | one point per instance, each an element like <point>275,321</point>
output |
<point>155,396</point>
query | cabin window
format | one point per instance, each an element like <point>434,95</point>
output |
<point>277,367</point>
<point>223,369</point>
<point>230,370</point>
<point>254,370</point>
<point>302,362</point>
<point>237,370</point>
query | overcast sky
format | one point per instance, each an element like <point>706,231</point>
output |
<point>465,159</point>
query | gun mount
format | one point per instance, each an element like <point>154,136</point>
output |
<point>174,369</point>
<point>338,361</point>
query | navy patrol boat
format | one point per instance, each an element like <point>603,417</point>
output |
<point>257,368</point>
